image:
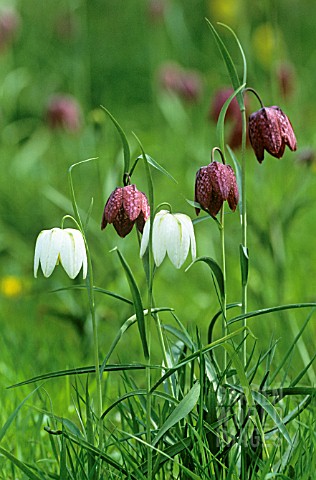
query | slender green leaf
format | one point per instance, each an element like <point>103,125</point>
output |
<point>128,323</point>
<point>88,214</point>
<point>292,346</point>
<point>79,371</point>
<point>158,167</point>
<point>95,289</point>
<point>20,465</point>
<point>238,177</point>
<point>236,362</point>
<point>295,412</point>
<point>139,393</point>
<point>273,414</point>
<point>244,60</point>
<point>63,459</point>
<point>221,119</point>
<point>229,63</point>
<point>126,149</point>
<point>197,354</point>
<point>172,451</point>
<point>138,305</point>
<point>99,454</point>
<point>216,271</point>
<point>182,410</point>
<point>11,418</point>
<point>282,392</point>
<point>244,264</point>
<point>265,311</point>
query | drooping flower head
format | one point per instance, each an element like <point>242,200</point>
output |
<point>214,184</point>
<point>270,130</point>
<point>64,246</point>
<point>173,234</point>
<point>126,206</point>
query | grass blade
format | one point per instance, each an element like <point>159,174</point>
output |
<point>182,410</point>
<point>138,304</point>
<point>126,150</point>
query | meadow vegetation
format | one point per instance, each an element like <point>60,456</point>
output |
<point>207,370</point>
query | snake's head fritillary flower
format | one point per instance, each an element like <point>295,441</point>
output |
<point>173,234</point>
<point>64,246</point>
<point>63,111</point>
<point>270,130</point>
<point>126,206</point>
<point>214,184</point>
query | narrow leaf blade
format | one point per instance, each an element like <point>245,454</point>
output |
<point>182,410</point>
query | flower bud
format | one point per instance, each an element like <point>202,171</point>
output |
<point>126,206</point>
<point>214,184</point>
<point>270,130</point>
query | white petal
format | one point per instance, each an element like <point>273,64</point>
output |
<point>145,238</point>
<point>187,223</point>
<point>179,243</point>
<point>38,249</point>
<point>49,250</point>
<point>73,253</point>
<point>159,239</point>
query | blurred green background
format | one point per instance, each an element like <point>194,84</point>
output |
<point>119,53</point>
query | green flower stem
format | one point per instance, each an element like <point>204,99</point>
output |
<point>224,300</point>
<point>90,291</point>
<point>244,226</point>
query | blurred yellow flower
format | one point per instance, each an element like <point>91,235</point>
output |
<point>11,286</point>
<point>267,44</point>
<point>226,11</point>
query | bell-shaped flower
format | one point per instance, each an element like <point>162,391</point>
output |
<point>270,130</point>
<point>173,234</point>
<point>126,206</point>
<point>64,246</point>
<point>214,184</point>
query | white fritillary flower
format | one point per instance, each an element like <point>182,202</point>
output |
<point>64,246</point>
<point>173,234</point>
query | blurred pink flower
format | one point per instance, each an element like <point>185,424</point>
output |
<point>219,98</point>
<point>66,26</point>
<point>156,10</point>
<point>286,79</point>
<point>63,111</point>
<point>186,84</point>
<point>233,114</point>
<point>9,24</point>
